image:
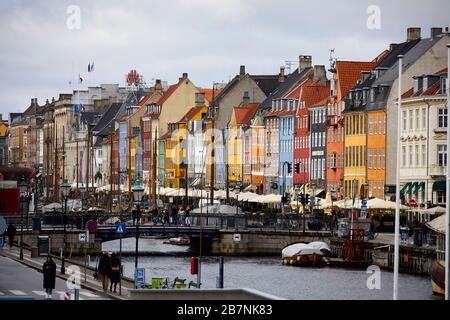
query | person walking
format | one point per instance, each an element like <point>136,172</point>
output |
<point>181,214</point>
<point>104,270</point>
<point>11,234</point>
<point>188,216</point>
<point>115,272</point>
<point>49,272</point>
<point>174,215</point>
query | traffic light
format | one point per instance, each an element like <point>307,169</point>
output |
<point>297,168</point>
<point>289,167</point>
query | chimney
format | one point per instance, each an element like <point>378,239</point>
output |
<point>185,76</point>
<point>242,71</point>
<point>199,99</point>
<point>245,99</point>
<point>392,46</point>
<point>158,85</point>
<point>435,32</point>
<point>320,74</point>
<point>1,117</point>
<point>304,63</point>
<point>413,34</point>
<point>281,77</point>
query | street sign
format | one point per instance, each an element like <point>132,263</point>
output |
<point>139,277</point>
<point>2,242</point>
<point>83,237</point>
<point>2,225</point>
<point>363,212</point>
<point>121,228</point>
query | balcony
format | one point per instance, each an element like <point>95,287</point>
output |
<point>436,170</point>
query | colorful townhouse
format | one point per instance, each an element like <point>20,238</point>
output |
<point>427,56</point>
<point>239,158</point>
<point>258,87</point>
<point>257,155</point>
<point>271,109</point>
<point>423,137</point>
<point>3,141</point>
<point>354,140</point>
<point>345,75</point>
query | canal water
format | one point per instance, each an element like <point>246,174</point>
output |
<point>268,275</point>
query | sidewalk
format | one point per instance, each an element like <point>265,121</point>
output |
<point>91,283</point>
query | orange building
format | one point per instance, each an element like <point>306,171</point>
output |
<point>345,76</point>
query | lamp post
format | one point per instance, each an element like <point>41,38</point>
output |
<point>82,190</point>
<point>65,188</point>
<point>138,193</point>
<point>23,189</point>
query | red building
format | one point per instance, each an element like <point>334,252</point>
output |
<point>308,94</point>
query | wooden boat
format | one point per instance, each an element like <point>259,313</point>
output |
<point>438,278</point>
<point>314,254</point>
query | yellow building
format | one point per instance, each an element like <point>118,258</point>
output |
<point>354,154</point>
<point>17,142</point>
<point>177,155</point>
<point>240,121</point>
<point>376,153</point>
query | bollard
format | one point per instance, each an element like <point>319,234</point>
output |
<point>219,279</point>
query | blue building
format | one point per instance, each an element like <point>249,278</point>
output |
<point>286,155</point>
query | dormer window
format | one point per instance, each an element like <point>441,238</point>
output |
<point>444,85</point>
<point>372,94</point>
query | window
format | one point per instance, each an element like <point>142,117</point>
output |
<point>411,119</point>
<point>370,125</point>
<point>370,159</point>
<point>442,118</point>
<point>424,118</point>
<point>424,156</point>
<point>324,143</point>
<point>417,153</point>
<point>440,197</point>
<point>404,121</point>
<point>443,85</point>
<point>361,156</point>
<point>383,159</point>
<point>417,112</point>
<point>410,156</point>
<point>442,155</point>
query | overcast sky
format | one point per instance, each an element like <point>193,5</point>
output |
<point>209,39</point>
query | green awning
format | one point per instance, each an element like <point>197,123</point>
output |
<point>407,185</point>
<point>439,186</point>
<point>420,186</point>
<point>413,187</point>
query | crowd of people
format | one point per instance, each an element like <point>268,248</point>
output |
<point>172,215</point>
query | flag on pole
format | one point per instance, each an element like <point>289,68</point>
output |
<point>91,67</point>
<point>81,79</point>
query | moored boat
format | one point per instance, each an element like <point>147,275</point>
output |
<point>314,254</point>
<point>438,278</point>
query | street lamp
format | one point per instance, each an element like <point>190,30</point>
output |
<point>65,188</point>
<point>23,189</point>
<point>138,193</point>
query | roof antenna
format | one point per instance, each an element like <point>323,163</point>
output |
<point>332,60</point>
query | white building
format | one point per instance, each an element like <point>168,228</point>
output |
<point>423,139</point>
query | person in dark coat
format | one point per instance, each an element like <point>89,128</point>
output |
<point>11,234</point>
<point>49,272</point>
<point>115,272</point>
<point>104,270</point>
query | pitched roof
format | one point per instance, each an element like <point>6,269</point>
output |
<point>169,92</point>
<point>107,119</point>
<point>245,114</point>
<point>349,72</point>
<point>284,87</point>
<point>267,83</point>
<point>312,93</point>
<point>209,93</point>
<point>190,114</point>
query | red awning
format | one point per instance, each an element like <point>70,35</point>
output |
<point>34,172</point>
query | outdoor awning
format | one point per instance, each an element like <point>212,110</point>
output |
<point>420,186</point>
<point>414,187</point>
<point>251,188</point>
<point>405,187</point>
<point>439,186</point>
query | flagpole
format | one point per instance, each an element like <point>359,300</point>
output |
<point>397,190</point>
<point>447,218</point>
